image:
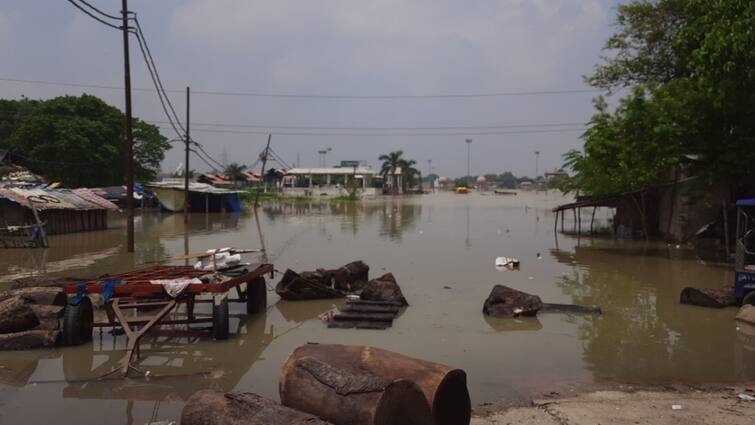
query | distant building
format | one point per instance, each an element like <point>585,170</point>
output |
<point>526,185</point>
<point>331,181</point>
<point>555,175</point>
<point>444,183</point>
<point>481,184</point>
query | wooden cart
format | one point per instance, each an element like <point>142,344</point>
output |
<point>135,291</point>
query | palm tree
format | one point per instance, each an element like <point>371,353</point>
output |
<point>235,172</point>
<point>407,173</point>
<point>391,162</point>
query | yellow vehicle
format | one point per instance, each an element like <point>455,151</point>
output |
<point>462,190</point>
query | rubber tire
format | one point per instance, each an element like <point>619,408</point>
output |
<point>78,322</point>
<point>749,298</point>
<point>220,320</point>
<point>256,295</point>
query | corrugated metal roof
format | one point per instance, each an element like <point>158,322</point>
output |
<point>61,199</point>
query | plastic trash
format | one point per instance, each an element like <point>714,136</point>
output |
<point>506,262</point>
<point>676,407</point>
<point>746,397</point>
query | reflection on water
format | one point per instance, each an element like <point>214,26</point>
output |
<point>441,248</point>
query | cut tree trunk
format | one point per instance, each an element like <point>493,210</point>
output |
<point>38,295</point>
<point>509,302</point>
<point>209,407</point>
<point>348,396</point>
<point>43,281</point>
<point>27,340</point>
<point>16,315</point>
<point>706,297</point>
<point>746,314</point>
<point>569,308</point>
<point>444,387</point>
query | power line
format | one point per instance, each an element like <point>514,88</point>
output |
<point>294,127</point>
<point>208,155</point>
<point>159,87</point>
<point>312,96</point>
<point>93,16</point>
<point>117,18</point>
<point>560,130</point>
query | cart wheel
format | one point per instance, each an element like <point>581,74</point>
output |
<point>256,295</point>
<point>77,322</point>
<point>749,298</point>
<point>220,320</point>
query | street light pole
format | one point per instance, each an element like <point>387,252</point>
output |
<point>537,171</point>
<point>469,143</point>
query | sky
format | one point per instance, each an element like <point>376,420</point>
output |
<point>334,48</point>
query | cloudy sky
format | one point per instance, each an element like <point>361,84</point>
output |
<point>335,48</point>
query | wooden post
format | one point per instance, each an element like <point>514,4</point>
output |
<point>262,175</point>
<point>592,219</point>
<point>555,223</point>
<point>574,213</point>
<point>41,227</point>
<point>726,227</point>
<point>562,221</point>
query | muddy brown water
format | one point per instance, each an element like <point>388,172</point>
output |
<point>441,248</point>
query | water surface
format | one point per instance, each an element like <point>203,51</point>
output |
<point>441,248</point>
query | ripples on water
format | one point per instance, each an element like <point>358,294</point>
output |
<point>428,242</point>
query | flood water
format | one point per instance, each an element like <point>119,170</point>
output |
<point>441,248</point>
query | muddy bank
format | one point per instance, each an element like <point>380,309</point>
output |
<point>710,405</point>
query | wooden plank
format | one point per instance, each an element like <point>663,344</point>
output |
<point>367,302</point>
<point>359,325</point>
<point>371,317</point>
<point>370,308</point>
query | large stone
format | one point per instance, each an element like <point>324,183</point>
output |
<point>707,297</point>
<point>383,288</point>
<point>747,314</point>
<point>508,302</point>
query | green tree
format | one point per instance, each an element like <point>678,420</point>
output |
<point>235,172</point>
<point>78,141</point>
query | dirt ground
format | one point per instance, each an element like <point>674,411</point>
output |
<point>627,405</point>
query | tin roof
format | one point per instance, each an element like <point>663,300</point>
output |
<point>59,199</point>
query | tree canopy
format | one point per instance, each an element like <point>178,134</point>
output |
<point>690,68</point>
<point>79,141</point>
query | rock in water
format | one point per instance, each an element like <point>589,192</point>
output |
<point>352,276</point>
<point>209,407</point>
<point>707,297</point>
<point>383,288</point>
<point>508,302</point>
<point>747,314</point>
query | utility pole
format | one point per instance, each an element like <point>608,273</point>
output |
<point>537,171</point>
<point>262,175</point>
<point>186,169</point>
<point>129,133</point>
<point>429,172</point>
<point>469,143</point>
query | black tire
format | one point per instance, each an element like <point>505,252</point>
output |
<point>256,296</point>
<point>220,319</point>
<point>749,298</point>
<point>78,322</point>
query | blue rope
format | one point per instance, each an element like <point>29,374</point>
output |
<point>108,288</point>
<point>81,292</point>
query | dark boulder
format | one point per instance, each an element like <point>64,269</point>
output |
<point>351,277</point>
<point>306,286</point>
<point>383,288</point>
<point>508,302</point>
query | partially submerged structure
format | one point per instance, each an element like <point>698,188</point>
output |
<point>332,181</point>
<point>60,211</point>
<point>202,197</point>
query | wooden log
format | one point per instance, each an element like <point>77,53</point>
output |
<point>569,308</point>
<point>209,407</point>
<point>347,396</point>
<point>27,340</point>
<point>706,297</point>
<point>39,281</point>
<point>46,312</point>
<point>359,325</point>
<point>368,308</point>
<point>43,296</point>
<point>746,314</point>
<point>371,317</point>
<point>16,316</point>
<point>371,302</point>
<point>444,387</point>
